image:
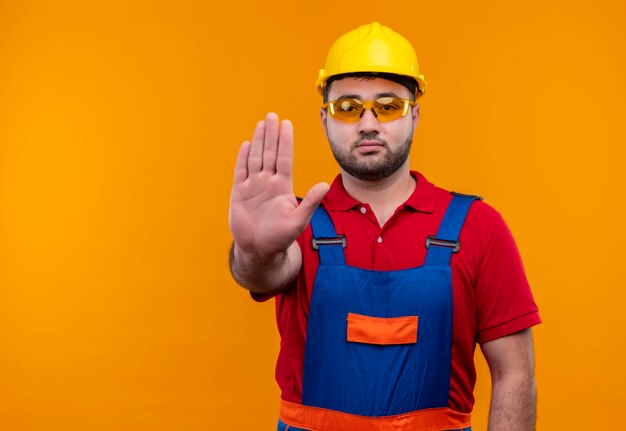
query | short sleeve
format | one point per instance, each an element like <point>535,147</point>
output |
<point>504,301</point>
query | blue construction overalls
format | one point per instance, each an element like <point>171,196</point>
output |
<point>378,345</point>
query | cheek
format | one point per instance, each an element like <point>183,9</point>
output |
<point>339,131</point>
<point>402,130</point>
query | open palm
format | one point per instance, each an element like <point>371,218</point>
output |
<point>265,217</point>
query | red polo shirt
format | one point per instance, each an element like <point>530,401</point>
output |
<point>491,295</point>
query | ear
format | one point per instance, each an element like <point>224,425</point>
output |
<point>324,119</point>
<point>415,113</point>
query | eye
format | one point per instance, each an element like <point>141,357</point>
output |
<point>348,106</point>
<point>388,105</point>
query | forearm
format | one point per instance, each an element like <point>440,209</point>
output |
<point>265,274</point>
<point>511,361</point>
<point>513,402</point>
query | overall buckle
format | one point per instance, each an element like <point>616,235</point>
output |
<point>338,240</point>
<point>454,245</point>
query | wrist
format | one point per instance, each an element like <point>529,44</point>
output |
<point>258,272</point>
<point>252,259</point>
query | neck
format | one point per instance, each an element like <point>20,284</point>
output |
<point>383,196</point>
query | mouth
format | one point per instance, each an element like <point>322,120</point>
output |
<point>367,146</point>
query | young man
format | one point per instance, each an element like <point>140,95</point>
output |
<point>383,282</point>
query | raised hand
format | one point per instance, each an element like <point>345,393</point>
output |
<point>265,218</point>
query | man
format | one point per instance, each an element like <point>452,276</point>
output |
<point>383,290</point>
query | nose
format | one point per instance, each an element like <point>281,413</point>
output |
<point>368,122</point>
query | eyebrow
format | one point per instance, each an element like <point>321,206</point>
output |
<point>356,96</point>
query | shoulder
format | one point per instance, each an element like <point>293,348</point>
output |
<point>484,216</point>
<point>483,225</point>
<point>481,216</point>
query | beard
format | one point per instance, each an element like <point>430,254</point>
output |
<point>369,168</point>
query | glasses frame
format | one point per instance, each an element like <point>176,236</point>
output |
<point>368,105</point>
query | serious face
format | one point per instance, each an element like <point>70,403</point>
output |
<point>368,149</point>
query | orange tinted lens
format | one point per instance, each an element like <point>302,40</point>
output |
<point>346,109</point>
<point>389,108</point>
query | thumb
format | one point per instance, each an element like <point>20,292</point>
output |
<point>310,202</point>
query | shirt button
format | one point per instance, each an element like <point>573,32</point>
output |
<point>363,210</point>
<point>380,239</point>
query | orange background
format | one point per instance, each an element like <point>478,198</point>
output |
<point>117,144</point>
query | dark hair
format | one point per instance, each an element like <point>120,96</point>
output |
<point>407,81</point>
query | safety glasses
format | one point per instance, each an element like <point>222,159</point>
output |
<point>350,110</point>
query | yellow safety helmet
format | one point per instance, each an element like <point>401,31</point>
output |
<point>372,48</point>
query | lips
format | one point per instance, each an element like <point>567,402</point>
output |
<point>368,146</point>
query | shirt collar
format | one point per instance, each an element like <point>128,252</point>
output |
<point>422,199</point>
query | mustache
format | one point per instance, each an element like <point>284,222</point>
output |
<point>370,137</point>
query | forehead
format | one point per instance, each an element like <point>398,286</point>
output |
<point>368,88</point>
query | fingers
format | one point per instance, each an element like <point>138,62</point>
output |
<point>310,202</point>
<point>264,146</point>
<point>271,143</point>
<point>255,157</point>
<point>241,166</point>
<point>284,158</point>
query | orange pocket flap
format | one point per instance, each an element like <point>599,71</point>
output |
<point>379,330</point>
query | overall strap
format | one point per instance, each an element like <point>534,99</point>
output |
<point>446,242</point>
<point>325,239</point>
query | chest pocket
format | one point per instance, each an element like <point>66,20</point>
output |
<point>381,330</point>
